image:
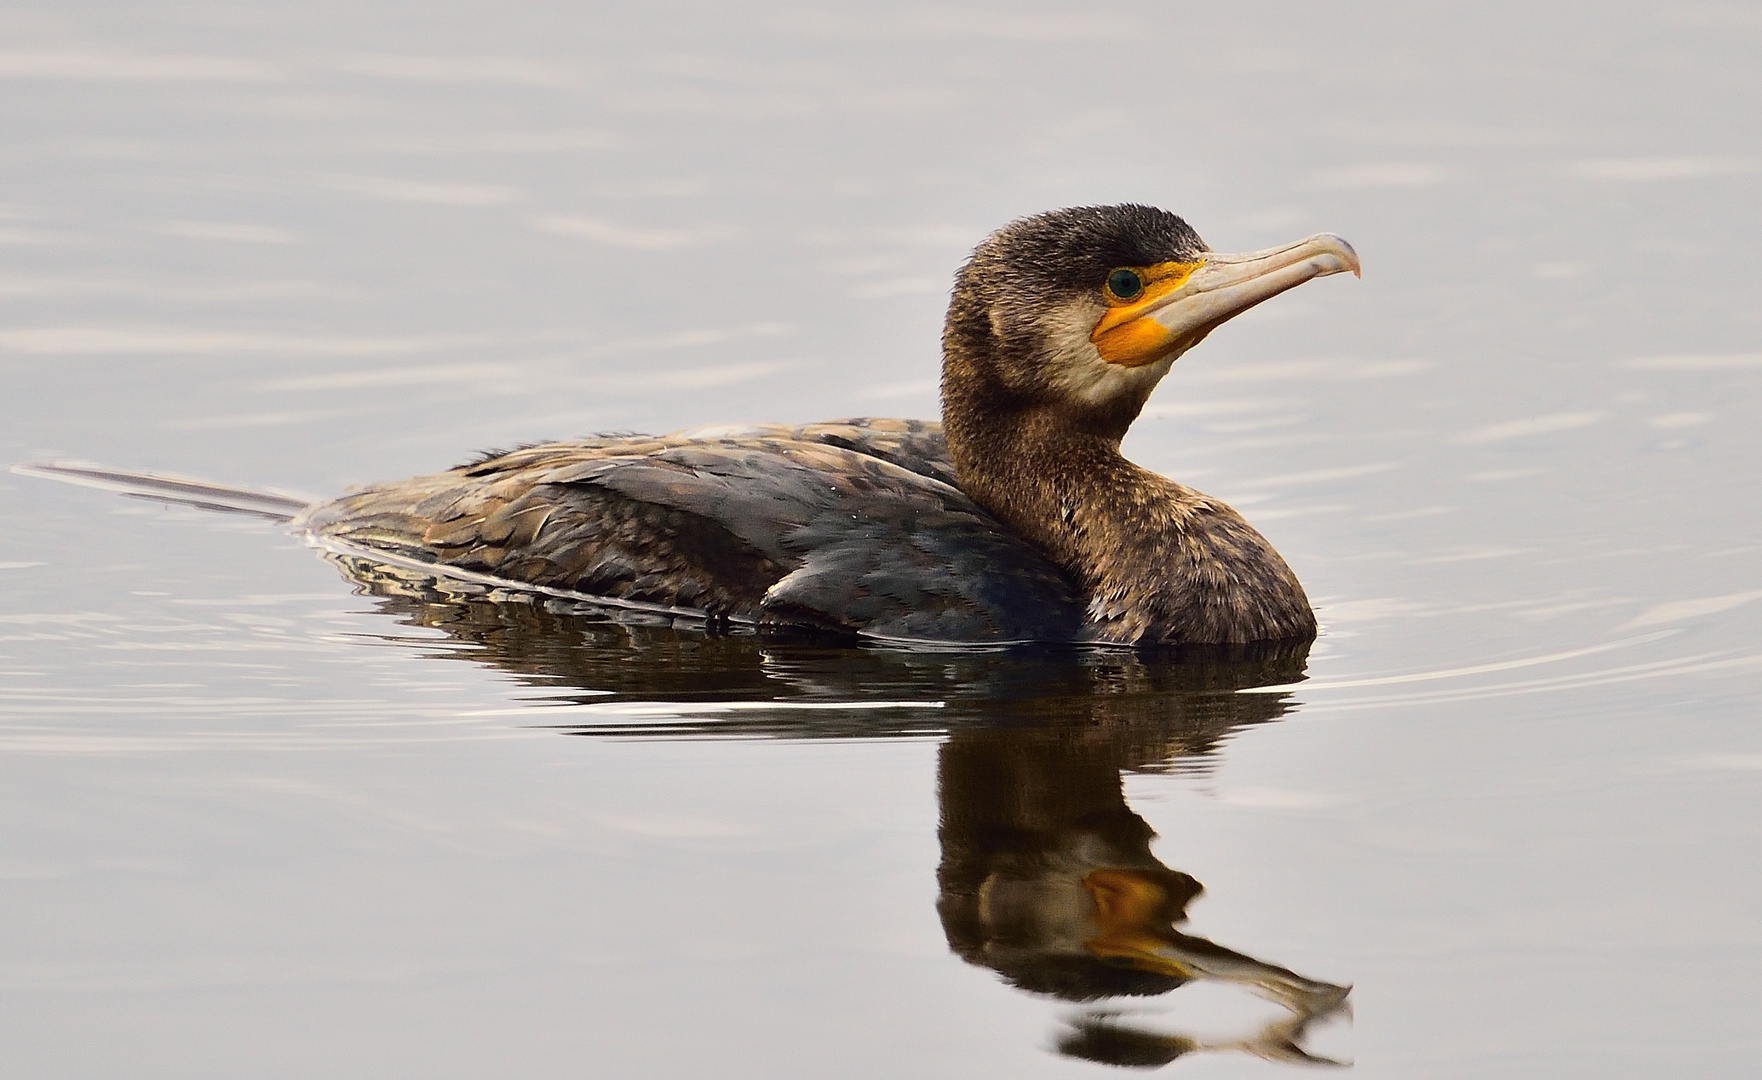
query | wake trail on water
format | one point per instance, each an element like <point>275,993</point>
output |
<point>201,494</point>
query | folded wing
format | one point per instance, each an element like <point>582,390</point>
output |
<point>852,526</point>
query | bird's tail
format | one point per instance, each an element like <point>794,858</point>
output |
<point>274,505</point>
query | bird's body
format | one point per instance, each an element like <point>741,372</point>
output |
<point>1016,519</point>
<point>853,526</point>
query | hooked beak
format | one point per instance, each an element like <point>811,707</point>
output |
<point>1218,288</point>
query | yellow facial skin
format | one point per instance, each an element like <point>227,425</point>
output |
<point>1123,336</point>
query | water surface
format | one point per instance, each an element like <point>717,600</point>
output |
<point>262,819</point>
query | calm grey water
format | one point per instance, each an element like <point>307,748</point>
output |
<point>259,821</point>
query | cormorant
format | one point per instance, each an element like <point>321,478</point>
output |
<point>1015,519</point>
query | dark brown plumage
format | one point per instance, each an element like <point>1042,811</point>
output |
<point>1017,519</point>
<point>852,527</point>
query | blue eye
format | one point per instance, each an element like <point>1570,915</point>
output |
<point>1124,284</point>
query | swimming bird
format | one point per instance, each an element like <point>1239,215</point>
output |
<point>1015,519</point>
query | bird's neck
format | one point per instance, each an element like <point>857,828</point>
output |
<point>1065,489</point>
<point>1159,562</point>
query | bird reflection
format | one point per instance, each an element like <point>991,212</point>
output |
<point>1047,875</point>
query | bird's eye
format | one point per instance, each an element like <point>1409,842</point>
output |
<point>1124,284</point>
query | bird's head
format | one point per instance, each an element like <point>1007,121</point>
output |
<point>1086,308</point>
